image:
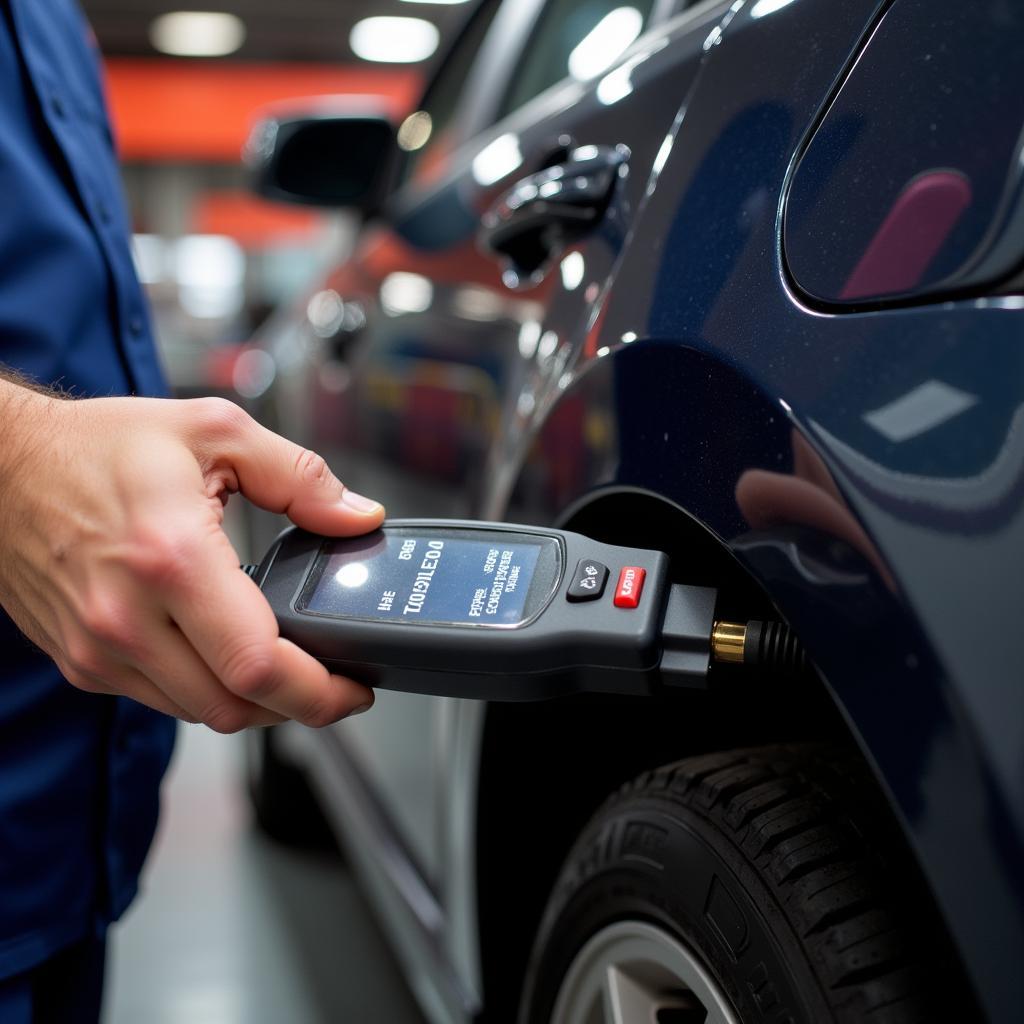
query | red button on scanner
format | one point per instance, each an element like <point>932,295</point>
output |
<point>630,587</point>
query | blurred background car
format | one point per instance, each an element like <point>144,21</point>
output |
<point>740,282</point>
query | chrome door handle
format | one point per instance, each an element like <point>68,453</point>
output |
<point>543,214</point>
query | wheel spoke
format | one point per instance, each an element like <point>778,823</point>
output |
<point>632,972</point>
<point>626,1001</point>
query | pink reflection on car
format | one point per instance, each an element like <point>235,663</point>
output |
<point>915,228</point>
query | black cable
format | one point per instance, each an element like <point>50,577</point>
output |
<point>773,647</point>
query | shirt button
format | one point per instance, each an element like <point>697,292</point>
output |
<point>57,106</point>
<point>103,212</point>
<point>136,326</point>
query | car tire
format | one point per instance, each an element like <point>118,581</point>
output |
<point>284,805</point>
<point>742,887</point>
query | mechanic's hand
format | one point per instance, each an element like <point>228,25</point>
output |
<point>113,560</point>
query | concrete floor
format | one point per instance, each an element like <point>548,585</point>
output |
<point>233,929</point>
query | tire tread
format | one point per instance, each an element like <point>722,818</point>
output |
<point>805,837</point>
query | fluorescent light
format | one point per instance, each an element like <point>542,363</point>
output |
<point>763,7</point>
<point>663,153</point>
<point>415,131</point>
<point>497,159</point>
<point>618,84</point>
<point>610,37</point>
<point>210,270</point>
<point>403,292</point>
<point>921,409</point>
<point>394,40</point>
<point>573,268</point>
<point>197,33</point>
<point>529,335</point>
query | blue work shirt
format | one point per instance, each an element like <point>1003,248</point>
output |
<point>79,773</point>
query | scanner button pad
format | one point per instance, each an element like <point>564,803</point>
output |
<point>588,581</point>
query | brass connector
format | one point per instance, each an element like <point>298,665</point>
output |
<point>727,639</point>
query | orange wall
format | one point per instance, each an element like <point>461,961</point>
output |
<point>199,111</point>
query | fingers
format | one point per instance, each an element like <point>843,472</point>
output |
<point>275,473</point>
<point>769,499</point>
<point>127,682</point>
<point>164,673</point>
<point>808,465</point>
<point>176,669</point>
<point>228,622</point>
<point>283,477</point>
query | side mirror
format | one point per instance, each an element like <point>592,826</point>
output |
<point>327,159</point>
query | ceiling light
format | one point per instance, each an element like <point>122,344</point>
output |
<point>403,292</point>
<point>609,38</point>
<point>197,33</point>
<point>763,7</point>
<point>415,131</point>
<point>498,159</point>
<point>439,3</point>
<point>394,40</point>
<point>210,270</point>
<point>573,268</point>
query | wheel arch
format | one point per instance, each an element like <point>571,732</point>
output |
<point>578,750</point>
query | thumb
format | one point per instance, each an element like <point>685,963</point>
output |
<point>281,476</point>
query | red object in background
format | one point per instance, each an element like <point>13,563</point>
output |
<point>182,110</point>
<point>252,222</point>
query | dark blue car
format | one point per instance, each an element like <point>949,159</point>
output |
<point>742,282</point>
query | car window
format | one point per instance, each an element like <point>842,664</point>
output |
<point>576,39</point>
<point>427,134</point>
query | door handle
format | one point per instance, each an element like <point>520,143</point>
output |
<point>543,214</point>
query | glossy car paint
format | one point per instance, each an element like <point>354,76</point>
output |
<point>911,184</point>
<point>864,466</point>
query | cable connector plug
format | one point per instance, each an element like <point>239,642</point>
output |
<point>771,647</point>
<point>686,636</point>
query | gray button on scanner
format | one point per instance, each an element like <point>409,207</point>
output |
<point>588,581</point>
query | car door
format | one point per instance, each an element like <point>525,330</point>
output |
<point>450,331</point>
<point>456,336</point>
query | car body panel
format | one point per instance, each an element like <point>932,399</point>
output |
<point>911,184</point>
<point>421,416</point>
<point>865,467</point>
<point>911,420</point>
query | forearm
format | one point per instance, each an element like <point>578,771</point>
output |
<point>25,411</point>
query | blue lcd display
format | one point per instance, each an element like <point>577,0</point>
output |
<point>426,579</point>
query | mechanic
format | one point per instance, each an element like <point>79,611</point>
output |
<point>112,558</point>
